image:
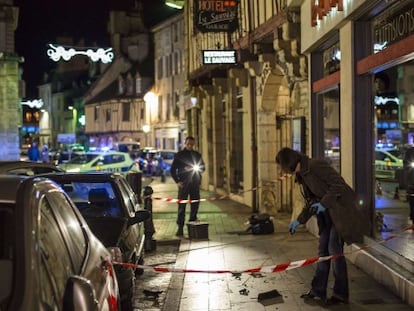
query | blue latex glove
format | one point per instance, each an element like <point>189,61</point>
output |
<point>293,225</point>
<point>317,208</point>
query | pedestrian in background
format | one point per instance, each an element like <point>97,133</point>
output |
<point>186,170</point>
<point>33,152</point>
<point>339,216</point>
<point>45,154</point>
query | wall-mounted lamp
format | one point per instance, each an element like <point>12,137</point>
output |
<point>176,4</point>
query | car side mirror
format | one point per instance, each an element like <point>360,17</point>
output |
<point>79,295</point>
<point>140,216</point>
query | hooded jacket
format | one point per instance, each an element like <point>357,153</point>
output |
<point>322,183</point>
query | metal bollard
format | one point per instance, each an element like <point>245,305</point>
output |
<point>149,229</point>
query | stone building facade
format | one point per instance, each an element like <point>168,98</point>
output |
<point>114,105</point>
<point>10,83</point>
<point>249,110</point>
<point>169,126</point>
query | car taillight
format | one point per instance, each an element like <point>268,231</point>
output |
<point>116,254</point>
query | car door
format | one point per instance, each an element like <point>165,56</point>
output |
<point>56,264</point>
<point>134,234</point>
<point>84,260</point>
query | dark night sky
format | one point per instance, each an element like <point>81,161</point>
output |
<point>41,21</point>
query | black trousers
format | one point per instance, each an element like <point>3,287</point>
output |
<point>192,192</point>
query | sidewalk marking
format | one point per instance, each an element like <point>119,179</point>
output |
<point>266,269</point>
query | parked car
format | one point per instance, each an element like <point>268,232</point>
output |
<point>27,168</point>
<point>131,147</point>
<point>110,207</point>
<point>148,161</point>
<point>49,258</point>
<point>94,161</point>
<point>386,164</point>
<point>167,157</point>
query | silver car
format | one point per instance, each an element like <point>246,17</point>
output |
<point>49,258</point>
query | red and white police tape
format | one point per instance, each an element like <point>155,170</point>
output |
<point>266,269</point>
<point>223,197</point>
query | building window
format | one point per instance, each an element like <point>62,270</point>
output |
<point>332,59</point>
<point>121,85</point>
<point>142,114</point>
<point>169,110</point>
<point>138,84</point>
<point>175,32</point>
<point>159,69</point>
<point>176,62</point>
<point>160,107</point>
<point>130,85</point>
<point>126,108</point>
<point>331,126</point>
<point>96,113</point>
<point>108,115</point>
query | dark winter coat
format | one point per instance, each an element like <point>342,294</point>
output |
<point>181,167</point>
<point>322,183</point>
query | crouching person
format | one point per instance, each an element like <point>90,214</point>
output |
<point>340,217</point>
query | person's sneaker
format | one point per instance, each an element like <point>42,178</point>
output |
<point>312,295</point>
<point>180,232</point>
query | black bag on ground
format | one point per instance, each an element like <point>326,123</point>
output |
<point>261,224</point>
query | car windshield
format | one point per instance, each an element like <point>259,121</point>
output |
<point>93,198</point>
<point>82,158</point>
<point>396,153</point>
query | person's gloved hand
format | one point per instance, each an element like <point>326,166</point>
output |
<point>293,225</point>
<point>317,208</point>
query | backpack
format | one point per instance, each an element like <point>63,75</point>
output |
<point>261,224</point>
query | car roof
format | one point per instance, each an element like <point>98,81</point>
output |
<point>8,187</point>
<point>85,177</point>
<point>388,153</point>
<point>100,152</point>
<point>19,163</point>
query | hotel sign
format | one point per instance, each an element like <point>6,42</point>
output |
<point>219,57</point>
<point>216,15</point>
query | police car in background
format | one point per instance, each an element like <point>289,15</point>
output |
<point>98,161</point>
<point>386,164</point>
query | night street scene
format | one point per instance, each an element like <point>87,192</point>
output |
<point>210,155</point>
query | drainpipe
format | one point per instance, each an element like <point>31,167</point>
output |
<point>255,165</point>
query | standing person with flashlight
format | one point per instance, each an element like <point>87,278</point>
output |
<point>186,170</point>
<point>339,216</point>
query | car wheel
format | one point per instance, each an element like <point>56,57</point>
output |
<point>126,283</point>
<point>126,303</point>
